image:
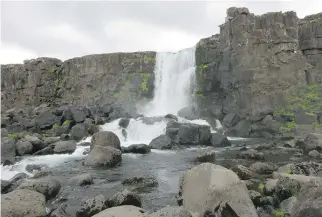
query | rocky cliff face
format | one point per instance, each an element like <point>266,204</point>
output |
<point>246,70</point>
<point>83,80</point>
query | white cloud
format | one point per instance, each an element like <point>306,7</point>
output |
<point>11,53</point>
<point>66,32</point>
<point>138,36</point>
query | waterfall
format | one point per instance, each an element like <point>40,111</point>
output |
<point>174,76</point>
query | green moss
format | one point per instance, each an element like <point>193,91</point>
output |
<point>66,122</point>
<point>43,138</point>
<point>148,58</point>
<point>55,126</point>
<point>261,187</point>
<point>278,213</point>
<point>199,94</point>
<point>287,127</point>
<point>13,135</point>
<point>52,70</point>
<point>144,84</point>
<point>287,171</point>
<point>204,66</point>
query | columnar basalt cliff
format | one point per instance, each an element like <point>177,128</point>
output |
<point>83,80</point>
<point>245,72</point>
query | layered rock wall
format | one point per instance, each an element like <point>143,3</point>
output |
<point>245,71</point>
<point>83,80</point>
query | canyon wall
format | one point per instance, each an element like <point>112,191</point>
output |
<point>244,72</point>
<point>82,80</point>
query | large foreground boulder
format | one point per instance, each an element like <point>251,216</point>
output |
<point>49,187</point>
<point>161,142</point>
<point>103,156</point>
<point>23,203</point>
<point>105,139</point>
<point>64,147</point>
<point>122,211</point>
<point>215,185</point>
<point>309,200</point>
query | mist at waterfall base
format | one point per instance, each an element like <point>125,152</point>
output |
<point>174,79</point>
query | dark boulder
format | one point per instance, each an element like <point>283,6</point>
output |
<point>82,180</point>
<point>37,143</point>
<point>140,182</point>
<point>8,148</point>
<point>171,116</point>
<point>61,211</point>
<point>243,172</point>
<point>161,142</point>
<point>125,197</point>
<point>45,151</point>
<point>124,122</point>
<point>23,147</point>
<point>219,140</point>
<point>92,129</point>
<point>313,141</point>
<point>13,183</point>
<point>64,147</point>
<point>188,113</point>
<point>49,187</point>
<point>230,120</point>
<point>194,134</point>
<point>91,206</point>
<point>33,167</point>
<point>287,187</point>
<point>207,156</point>
<point>251,154</point>
<point>138,149</point>
<point>263,168</point>
<point>46,120</point>
<point>78,132</point>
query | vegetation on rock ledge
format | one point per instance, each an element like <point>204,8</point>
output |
<point>144,85</point>
<point>307,99</point>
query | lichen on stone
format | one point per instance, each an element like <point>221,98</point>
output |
<point>278,213</point>
<point>144,84</point>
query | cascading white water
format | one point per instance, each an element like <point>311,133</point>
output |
<point>174,74</point>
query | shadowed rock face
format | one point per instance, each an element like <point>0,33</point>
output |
<point>79,80</point>
<point>248,68</point>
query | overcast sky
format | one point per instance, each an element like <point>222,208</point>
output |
<point>69,29</point>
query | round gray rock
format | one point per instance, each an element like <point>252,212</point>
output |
<point>47,186</point>
<point>23,147</point>
<point>105,139</point>
<point>64,147</point>
<point>23,203</point>
<point>78,132</point>
<point>103,156</point>
<point>161,142</point>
